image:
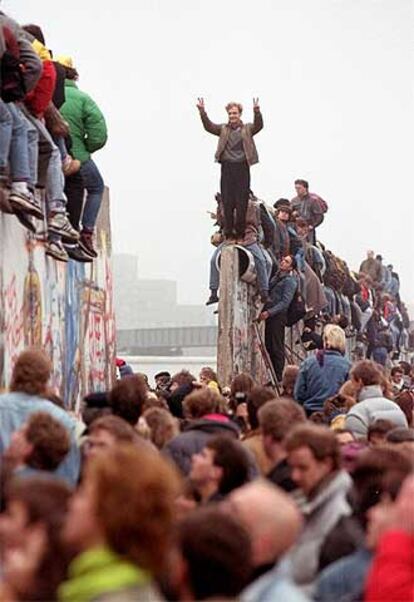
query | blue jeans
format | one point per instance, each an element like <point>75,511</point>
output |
<point>23,148</point>
<point>6,128</point>
<point>94,185</point>
<point>262,268</point>
<point>50,169</point>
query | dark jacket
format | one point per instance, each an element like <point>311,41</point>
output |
<point>281,240</point>
<point>282,290</point>
<point>308,209</point>
<point>194,438</point>
<point>28,57</point>
<point>223,130</point>
<point>320,377</point>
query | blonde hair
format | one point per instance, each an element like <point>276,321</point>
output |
<point>334,338</point>
<point>234,104</point>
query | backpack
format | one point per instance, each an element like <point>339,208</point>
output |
<point>13,87</point>
<point>319,202</point>
<point>296,310</point>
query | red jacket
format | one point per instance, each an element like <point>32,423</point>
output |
<point>38,99</point>
<point>391,577</point>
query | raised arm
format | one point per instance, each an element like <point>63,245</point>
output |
<point>258,117</point>
<point>209,126</point>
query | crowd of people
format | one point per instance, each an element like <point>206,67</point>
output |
<point>183,490</point>
<point>297,277</point>
<point>49,130</point>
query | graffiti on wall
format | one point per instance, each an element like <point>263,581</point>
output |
<point>67,309</point>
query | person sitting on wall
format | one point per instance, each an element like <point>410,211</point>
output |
<point>308,206</point>
<point>250,241</point>
<point>236,151</point>
<point>282,290</point>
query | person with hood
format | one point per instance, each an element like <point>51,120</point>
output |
<point>236,151</point>
<point>372,405</point>
<point>88,132</point>
<point>322,375</point>
<point>313,454</point>
<point>200,407</point>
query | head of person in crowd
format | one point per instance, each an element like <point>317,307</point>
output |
<point>397,377</point>
<point>234,112</point>
<point>301,227</point>
<point>257,397</point>
<point>344,437</point>
<point>216,556</point>
<point>70,71</point>
<point>334,338</point>
<point>301,187</point>
<point>289,376</point>
<point>349,392</point>
<point>31,373</point>
<point>163,426</point>
<point>405,400</point>
<point>283,213</point>
<point>108,432</point>
<point>406,368</point>
<point>401,437</point>
<point>377,432</point>
<point>41,444</point>
<point>200,403</point>
<point>221,466</point>
<point>336,406</point>
<point>36,32</point>
<point>241,383</point>
<point>313,454</point>
<point>124,507</point>
<point>380,477</point>
<point>276,418</point>
<point>127,398</point>
<point>35,559</point>
<point>271,518</point>
<point>209,378</point>
<point>182,378</point>
<point>162,380</point>
<point>287,264</point>
<point>365,374</point>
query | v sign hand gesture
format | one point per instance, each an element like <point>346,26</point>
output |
<point>200,104</point>
<point>256,106</point>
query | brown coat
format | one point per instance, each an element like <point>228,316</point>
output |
<point>248,131</point>
<point>254,442</point>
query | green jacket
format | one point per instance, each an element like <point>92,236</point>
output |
<point>98,572</point>
<point>86,122</point>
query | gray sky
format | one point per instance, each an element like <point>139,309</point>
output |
<point>334,78</point>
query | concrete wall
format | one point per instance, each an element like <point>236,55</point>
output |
<point>65,308</point>
<point>237,347</point>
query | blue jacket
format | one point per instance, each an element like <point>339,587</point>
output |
<point>15,409</point>
<point>282,290</point>
<point>316,383</point>
<point>344,580</point>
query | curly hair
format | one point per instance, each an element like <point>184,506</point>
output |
<point>232,104</point>
<point>50,441</point>
<point>31,372</point>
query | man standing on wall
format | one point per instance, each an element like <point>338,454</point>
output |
<point>309,206</point>
<point>236,151</point>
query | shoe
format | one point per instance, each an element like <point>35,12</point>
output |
<point>25,202</point>
<point>59,224</point>
<point>26,220</point>
<point>70,166</point>
<point>78,254</point>
<point>264,297</point>
<point>86,243</point>
<point>56,250</point>
<point>212,299</point>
